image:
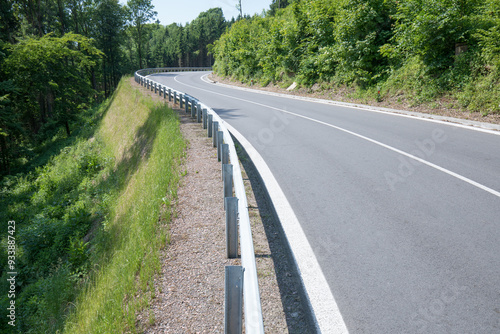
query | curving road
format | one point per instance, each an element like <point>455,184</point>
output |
<point>402,214</point>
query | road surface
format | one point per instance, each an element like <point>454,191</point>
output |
<point>402,214</point>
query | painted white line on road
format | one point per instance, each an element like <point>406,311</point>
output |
<point>430,164</point>
<point>450,121</point>
<point>327,314</point>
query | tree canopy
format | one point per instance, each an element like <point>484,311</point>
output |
<point>58,57</point>
<point>424,47</point>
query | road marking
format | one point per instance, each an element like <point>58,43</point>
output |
<point>450,121</point>
<point>327,314</point>
<point>430,164</point>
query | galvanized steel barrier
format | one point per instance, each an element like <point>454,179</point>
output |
<point>247,275</point>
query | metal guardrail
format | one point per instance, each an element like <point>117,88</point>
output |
<point>148,71</point>
<point>215,127</point>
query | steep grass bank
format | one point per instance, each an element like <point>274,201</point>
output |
<point>90,223</point>
<point>145,140</point>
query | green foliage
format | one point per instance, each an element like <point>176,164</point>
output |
<point>277,5</point>
<point>489,36</point>
<point>54,207</point>
<point>58,57</point>
<point>417,49</point>
<point>315,33</point>
<point>126,247</point>
<point>109,19</point>
<point>53,74</point>
<point>85,217</point>
<point>139,12</point>
<point>239,49</point>
<point>177,45</point>
<point>361,28</point>
<point>431,28</point>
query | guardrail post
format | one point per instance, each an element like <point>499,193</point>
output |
<point>227,177</point>
<point>233,300</point>
<point>156,88</point>
<point>170,95</point>
<point>210,125</point>
<point>220,134</point>
<point>225,154</point>
<point>214,132</point>
<point>187,104</point>
<point>193,106</point>
<point>175,97</point>
<point>231,205</point>
<point>204,116</point>
<point>198,113</point>
<point>181,96</point>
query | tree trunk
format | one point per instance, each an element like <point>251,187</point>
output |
<point>68,132</point>
<point>60,8</point>
<point>139,44</point>
<point>5,155</point>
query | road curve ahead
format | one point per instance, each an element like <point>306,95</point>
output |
<point>402,214</point>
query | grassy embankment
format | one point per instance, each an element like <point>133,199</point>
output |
<point>91,221</point>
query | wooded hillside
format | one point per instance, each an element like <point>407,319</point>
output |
<point>59,57</point>
<point>419,49</point>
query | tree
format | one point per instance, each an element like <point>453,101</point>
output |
<point>109,19</point>
<point>53,74</point>
<point>430,29</point>
<point>8,22</point>
<point>10,126</point>
<point>278,4</point>
<point>361,28</point>
<point>140,12</point>
<point>238,7</point>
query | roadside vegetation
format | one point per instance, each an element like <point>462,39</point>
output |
<point>412,50</point>
<point>59,58</point>
<point>88,166</point>
<point>91,221</point>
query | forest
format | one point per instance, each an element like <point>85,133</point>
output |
<point>59,57</point>
<point>413,50</point>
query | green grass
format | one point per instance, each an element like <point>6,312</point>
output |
<point>146,142</point>
<point>92,218</point>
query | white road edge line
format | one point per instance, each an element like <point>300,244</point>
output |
<point>457,122</point>
<point>327,314</point>
<point>430,164</point>
<point>325,308</point>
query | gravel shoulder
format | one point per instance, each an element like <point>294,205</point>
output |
<point>189,290</point>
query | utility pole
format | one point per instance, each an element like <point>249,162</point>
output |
<point>238,6</point>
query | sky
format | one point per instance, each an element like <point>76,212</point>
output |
<point>184,11</point>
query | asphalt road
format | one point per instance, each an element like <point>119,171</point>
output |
<point>403,214</point>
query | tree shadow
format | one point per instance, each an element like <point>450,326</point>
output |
<point>138,153</point>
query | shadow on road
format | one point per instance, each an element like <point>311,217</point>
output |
<point>298,313</point>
